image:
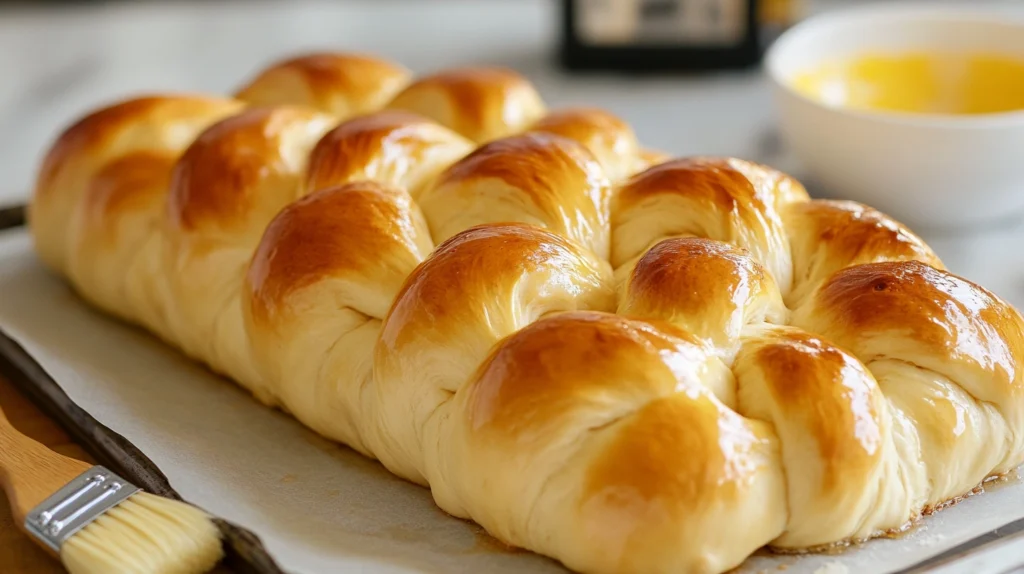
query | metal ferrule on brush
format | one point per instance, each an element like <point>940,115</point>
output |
<point>76,505</point>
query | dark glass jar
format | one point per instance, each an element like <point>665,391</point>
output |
<point>660,35</point>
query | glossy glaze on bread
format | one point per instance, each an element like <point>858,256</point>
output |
<point>624,361</point>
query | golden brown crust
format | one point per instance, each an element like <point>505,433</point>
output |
<point>477,287</point>
<point>96,130</point>
<point>926,317</point>
<point>657,481</point>
<point>151,124</point>
<point>829,235</point>
<point>91,131</point>
<point>825,391</point>
<point>234,178</point>
<point>832,422</point>
<point>610,139</point>
<point>719,198</point>
<point>481,103</point>
<point>577,418</point>
<point>713,180</point>
<point>808,378</point>
<point>832,394</point>
<point>340,84</point>
<point>556,365</point>
<point>472,264</point>
<point>635,463</point>
<point>726,184</point>
<point>326,271</point>
<point>491,369</point>
<point>363,231</point>
<point>117,219</point>
<point>132,183</point>
<point>241,171</point>
<point>392,146</point>
<point>709,288</point>
<point>538,178</point>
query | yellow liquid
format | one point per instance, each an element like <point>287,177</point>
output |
<point>932,83</point>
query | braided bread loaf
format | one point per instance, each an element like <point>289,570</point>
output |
<point>624,362</point>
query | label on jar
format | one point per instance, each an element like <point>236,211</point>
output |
<point>692,23</point>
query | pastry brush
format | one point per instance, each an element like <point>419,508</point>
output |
<point>95,521</point>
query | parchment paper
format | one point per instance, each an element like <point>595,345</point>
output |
<point>322,508</point>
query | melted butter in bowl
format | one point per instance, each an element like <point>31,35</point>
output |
<point>954,83</point>
<point>915,110</point>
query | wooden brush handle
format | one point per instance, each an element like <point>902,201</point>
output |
<point>30,472</point>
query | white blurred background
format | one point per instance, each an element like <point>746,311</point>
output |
<point>59,60</point>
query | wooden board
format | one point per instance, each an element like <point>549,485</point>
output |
<point>41,406</point>
<point>17,553</point>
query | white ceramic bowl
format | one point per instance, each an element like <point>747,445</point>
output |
<point>929,171</point>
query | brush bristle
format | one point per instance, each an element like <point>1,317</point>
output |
<point>145,534</point>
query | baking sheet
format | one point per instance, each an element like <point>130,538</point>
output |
<point>319,507</point>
